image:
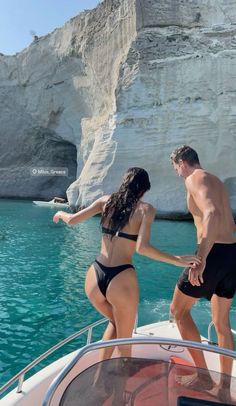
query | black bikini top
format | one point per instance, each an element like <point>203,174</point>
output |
<point>132,237</point>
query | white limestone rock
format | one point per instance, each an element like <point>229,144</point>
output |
<point>124,84</point>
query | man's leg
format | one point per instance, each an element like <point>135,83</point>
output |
<point>220,307</point>
<point>180,308</point>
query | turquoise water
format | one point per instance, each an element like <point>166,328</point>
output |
<point>42,274</point>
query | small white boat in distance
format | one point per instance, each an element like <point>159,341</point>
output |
<point>51,203</point>
<point>150,377</point>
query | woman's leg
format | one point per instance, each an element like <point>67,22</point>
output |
<point>122,294</point>
<point>102,306</point>
<point>120,305</point>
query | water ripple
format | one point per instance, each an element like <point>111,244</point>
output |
<point>43,266</point>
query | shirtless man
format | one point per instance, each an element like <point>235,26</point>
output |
<point>215,277</point>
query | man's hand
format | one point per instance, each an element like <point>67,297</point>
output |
<point>195,274</point>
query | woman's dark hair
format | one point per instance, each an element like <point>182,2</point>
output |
<point>121,205</point>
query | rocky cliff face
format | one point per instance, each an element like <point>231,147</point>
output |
<point>122,86</point>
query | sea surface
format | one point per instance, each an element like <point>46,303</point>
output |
<point>42,273</point>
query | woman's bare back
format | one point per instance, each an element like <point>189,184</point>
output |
<point>118,250</point>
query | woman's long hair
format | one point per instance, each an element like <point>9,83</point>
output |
<point>121,205</point>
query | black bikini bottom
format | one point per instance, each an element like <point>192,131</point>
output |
<point>105,274</point>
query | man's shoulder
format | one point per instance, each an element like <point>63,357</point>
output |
<point>197,177</point>
<point>202,179</point>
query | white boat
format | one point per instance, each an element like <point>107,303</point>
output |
<point>150,377</point>
<point>51,203</point>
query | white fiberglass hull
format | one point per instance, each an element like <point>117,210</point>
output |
<point>34,388</point>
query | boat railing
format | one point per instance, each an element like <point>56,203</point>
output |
<point>88,329</point>
<point>209,331</point>
<point>21,375</point>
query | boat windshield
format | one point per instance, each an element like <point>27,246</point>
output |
<point>161,376</point>
<point>138,382</point>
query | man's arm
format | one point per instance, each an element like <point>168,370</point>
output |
<point>203,195</point>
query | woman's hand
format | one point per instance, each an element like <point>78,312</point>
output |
<point>57,217</point>
<point>189,260</point>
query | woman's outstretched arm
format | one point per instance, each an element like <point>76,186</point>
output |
<point>90,211</point>
<point>143,246</point>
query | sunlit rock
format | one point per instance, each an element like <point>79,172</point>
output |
<point>124,85</point>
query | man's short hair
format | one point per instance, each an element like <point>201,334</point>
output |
<point>185,153</point>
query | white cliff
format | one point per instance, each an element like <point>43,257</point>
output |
<point>122,85</point>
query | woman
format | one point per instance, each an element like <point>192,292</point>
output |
<point>111,283</point>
